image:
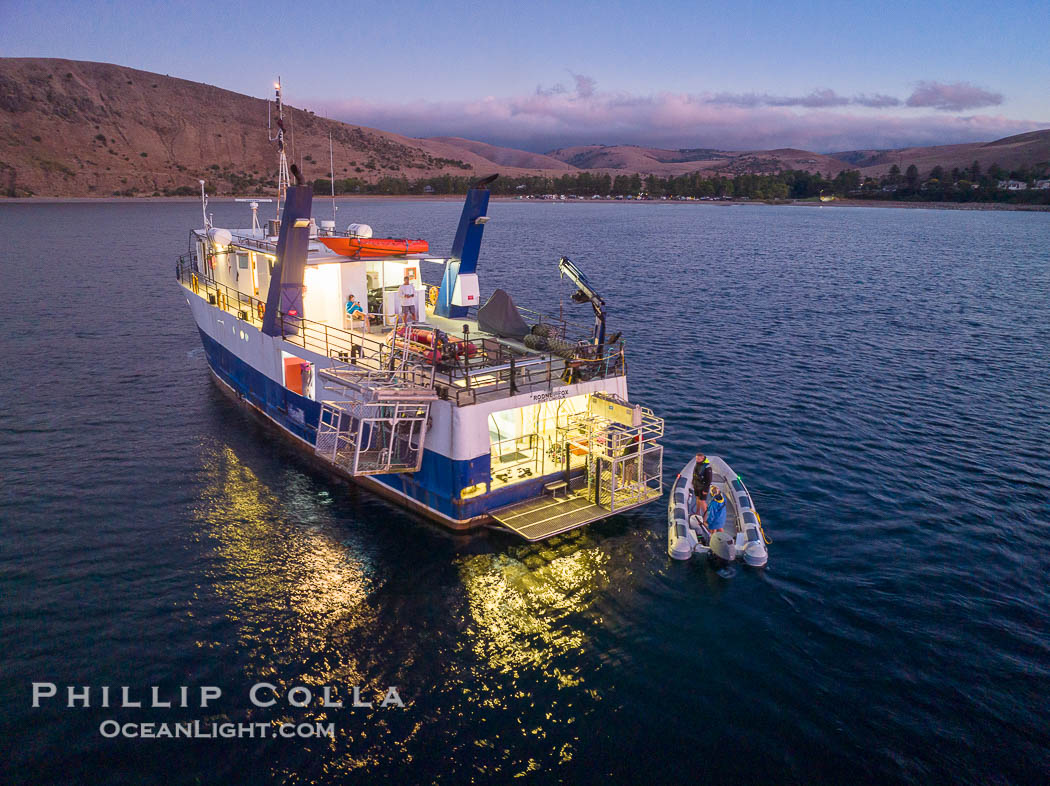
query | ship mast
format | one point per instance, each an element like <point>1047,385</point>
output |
<point>284,178</point>
<point>331,164</point>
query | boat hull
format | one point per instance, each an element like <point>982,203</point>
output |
<point>295,417</point>
<point>307,453</point>
<point>247,363</point>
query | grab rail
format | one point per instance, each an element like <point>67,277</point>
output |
<point>495,369</point>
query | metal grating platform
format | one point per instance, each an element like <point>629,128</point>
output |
<point>542,517</point>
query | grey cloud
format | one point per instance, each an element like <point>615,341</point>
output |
<point>878,101</point>
<point>745,100</point>
<point>816,99</point>
<point>585,85</point>
<point>553,90</point>
<point>953,97</point>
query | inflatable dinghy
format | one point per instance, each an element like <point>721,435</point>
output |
<point>742,538</point>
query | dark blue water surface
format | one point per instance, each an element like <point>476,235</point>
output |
<point>879,377</point>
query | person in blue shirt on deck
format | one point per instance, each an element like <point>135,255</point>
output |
<point>716,510</point>
<point>353,310</point>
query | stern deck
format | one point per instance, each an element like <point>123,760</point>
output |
<point>543,517</point>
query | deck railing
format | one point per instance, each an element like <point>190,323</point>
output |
<point>254,243</point>
<point>494,369</point>
<point>341,345</point>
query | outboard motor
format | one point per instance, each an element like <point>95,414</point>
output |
<point>723,549</point>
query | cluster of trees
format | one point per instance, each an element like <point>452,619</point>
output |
<point>971,184</point>
<point>583,184</point>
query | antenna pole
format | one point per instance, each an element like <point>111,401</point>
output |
<point>331,164</point>
<point>284,178</point>
<point>204,205</point>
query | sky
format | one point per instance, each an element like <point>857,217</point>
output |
<point>538,75</point>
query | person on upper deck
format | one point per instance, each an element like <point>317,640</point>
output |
<point>353,310</point>
<point>716,511</point>
<point>701,482</point>
<point>406,293</point>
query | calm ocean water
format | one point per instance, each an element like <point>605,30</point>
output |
<point>879,377</point>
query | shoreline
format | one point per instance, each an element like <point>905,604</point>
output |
<point>926,205</point>
<point>838,203</point>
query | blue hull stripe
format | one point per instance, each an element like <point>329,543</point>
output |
<point>440,479</point>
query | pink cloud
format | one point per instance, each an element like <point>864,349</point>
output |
<point>560,117</point>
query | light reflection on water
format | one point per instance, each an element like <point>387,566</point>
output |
<point>522,615</point>
<point>277,551</point>
<point>305,604</point>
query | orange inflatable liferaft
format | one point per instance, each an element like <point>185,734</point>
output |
<point>361,247</point>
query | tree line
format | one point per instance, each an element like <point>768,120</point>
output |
<point>970,184</point>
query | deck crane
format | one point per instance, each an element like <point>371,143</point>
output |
<point>586,294</point>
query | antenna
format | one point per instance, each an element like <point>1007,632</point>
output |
<point>253,203</point>
<point>331,164</point>
<point>284,179</point>
<point>204,206</point>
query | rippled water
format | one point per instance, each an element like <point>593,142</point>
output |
<point>879,377</point>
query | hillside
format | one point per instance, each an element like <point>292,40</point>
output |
<point>632,158</point>
<point>1012,152</point>
<point>71,128</point>
<point>504,156</point>
<point>651,160</point>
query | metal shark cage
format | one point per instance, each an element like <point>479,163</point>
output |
<point>382,427</point>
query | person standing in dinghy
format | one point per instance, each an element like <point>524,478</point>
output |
<point>701,482</point>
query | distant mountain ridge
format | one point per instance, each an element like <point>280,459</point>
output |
<point>74,128</point>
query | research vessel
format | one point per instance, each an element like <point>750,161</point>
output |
<point>469,414</point>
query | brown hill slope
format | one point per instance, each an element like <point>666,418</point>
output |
<point>72,128</point>
<point>651,160</point>
<point>504,156</point>
<point>631,158</point>
<point>1012,152</point>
